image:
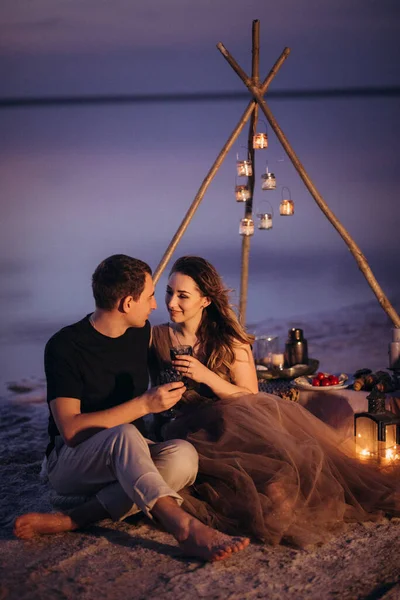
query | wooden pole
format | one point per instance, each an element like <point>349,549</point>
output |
<point>353,247</point>
<point>212,172</point>
<point>248,212</point>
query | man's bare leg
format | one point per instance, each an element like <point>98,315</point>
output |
<point>195,538</point>
<point>31,524</point>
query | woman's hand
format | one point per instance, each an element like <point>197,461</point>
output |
<point>189,366</point>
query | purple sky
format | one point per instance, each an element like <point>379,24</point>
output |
<point>81,183</point>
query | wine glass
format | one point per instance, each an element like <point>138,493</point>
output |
<point>169,375</point>
<point>181,351</point>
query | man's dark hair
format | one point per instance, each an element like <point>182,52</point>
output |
<point>116,277</point>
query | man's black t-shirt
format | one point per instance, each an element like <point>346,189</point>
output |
<point>98,370</point>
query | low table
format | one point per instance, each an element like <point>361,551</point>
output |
<point>335,407</point>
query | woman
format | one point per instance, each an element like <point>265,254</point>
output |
<point>268,467</point>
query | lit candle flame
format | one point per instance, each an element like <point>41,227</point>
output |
<point>391,454</point>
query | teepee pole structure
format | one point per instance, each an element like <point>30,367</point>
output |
<point>214,169</point>
<point>351,244</point>
<point>248,210</point>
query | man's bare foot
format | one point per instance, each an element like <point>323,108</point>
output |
<point>32,524</point>
<point>195,538</point>
<point>208,544</point>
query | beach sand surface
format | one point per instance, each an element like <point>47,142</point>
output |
<point>136,560</point>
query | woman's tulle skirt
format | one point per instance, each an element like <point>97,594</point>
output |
<point>271,470</point>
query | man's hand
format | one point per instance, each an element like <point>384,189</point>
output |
<point>165,396</point>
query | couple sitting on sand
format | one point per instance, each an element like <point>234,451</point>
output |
<point>247,464</point>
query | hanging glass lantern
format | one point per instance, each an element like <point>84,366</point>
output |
<point>286,207</point>
<point>242,193</point>
<point>265,216</point>
<point>244,168</point>
<point>260,140</point>
<point>377,432</point>
<point>246,227</point>
<point>264,220</point>
<point>268,181</point>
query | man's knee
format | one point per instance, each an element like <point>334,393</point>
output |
<point>127,436</point>
<point>187,455</point>
<point>126,429</point>
<point>178,462</point>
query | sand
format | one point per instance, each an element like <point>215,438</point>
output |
<point>135,560</point>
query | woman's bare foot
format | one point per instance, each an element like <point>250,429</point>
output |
<point>208,544</point>
<point>32,524</point>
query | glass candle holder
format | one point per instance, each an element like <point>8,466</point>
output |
<point>265,346</point>
<point>268,181</point>
<point>286,208</point>
<point>242,193</point>
<point>260,141</point>
<point>246,227</point>
<point>244,168</point>
<point>377,437</point>
<point>264,221</point>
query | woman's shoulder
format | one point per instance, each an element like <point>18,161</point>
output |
<point>162,327</point>
<point>159,334</point>
<point>242,350</point>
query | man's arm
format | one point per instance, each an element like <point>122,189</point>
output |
<point>75,427</point>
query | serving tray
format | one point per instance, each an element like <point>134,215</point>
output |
<point>288,373</point>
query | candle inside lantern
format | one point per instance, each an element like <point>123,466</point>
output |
<point>278,360</point>
<point>263,349</point>
<point>268,181</point>
<point>260,141</point>
<point>265,221</point>
<point>242,193</point>
<point>392,454</point>
<point>377,435</point>
<point>244,168</point>
<point>246,227</point>
<point>366,431</point>
<point>286,208</point>
<point>365,452</point>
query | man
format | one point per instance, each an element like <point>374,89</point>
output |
<point>97,380</point>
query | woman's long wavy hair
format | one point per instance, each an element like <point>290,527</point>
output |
<point>219,330</point>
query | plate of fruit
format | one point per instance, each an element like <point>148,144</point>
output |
<point>325,381</point>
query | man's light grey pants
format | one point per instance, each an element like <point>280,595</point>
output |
<point>126,472</point>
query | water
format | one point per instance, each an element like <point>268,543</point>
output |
<point>46,303</point>
<point>79,185</point>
